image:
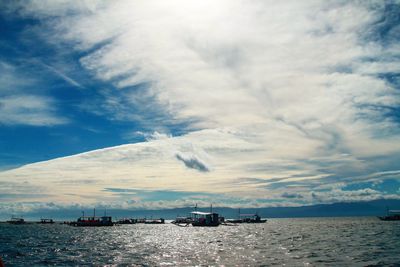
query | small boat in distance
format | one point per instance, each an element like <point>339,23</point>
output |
<point>46,221</point>
<point>126,221</point>
<point>182,221</point>
<point>247,218</point>
<point>93,220</point>
<point>392,215</point>
<point>15,220</point>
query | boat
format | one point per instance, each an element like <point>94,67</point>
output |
<point>199,219</point>
<point>126,221</point>
<point>392,215</point>
<point>46,221</point>
<point>182,221</point>
<point>247,218</point>
<point>15,220</point>
<point>205,219</point>
<point>93,220</point>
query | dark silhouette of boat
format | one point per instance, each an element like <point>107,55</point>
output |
<point>392,215</point>
<point>182,221</point>
<point>126,221</point>
<point>15,220</point>
<point>46,221</point>
<point>247,218</point>
<point>93,220</point>
<point>205,219</point>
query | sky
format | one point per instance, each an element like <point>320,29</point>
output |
<point>163,104</point>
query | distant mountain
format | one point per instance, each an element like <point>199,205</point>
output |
<point>370,208</point>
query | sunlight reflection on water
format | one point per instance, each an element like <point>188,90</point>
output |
<point>294,242</point>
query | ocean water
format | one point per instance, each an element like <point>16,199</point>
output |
<point>290,242</point>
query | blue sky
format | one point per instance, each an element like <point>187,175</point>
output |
<point>242,104</point>
<point>51,72</point>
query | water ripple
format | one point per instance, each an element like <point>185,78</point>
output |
<point>293,242</point>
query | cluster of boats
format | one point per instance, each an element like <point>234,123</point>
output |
<point>195,218</point>
<point>211,219</point>
<point>107,221</point>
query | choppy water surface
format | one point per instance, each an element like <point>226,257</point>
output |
<point>290,242</point>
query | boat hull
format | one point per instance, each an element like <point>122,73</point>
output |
<point>91,224</point>
<point>198,224</point>
<point>390,218</point>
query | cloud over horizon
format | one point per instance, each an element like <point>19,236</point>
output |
<point>287,101</point>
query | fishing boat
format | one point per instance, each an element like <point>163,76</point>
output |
<point>93,220</point>
<point>182,221</point>
<point>247,218</point>
<point>199,218</point>
<point>15,220</point>
<point>46,221</point>
<point>126,221</point>
<point>205,219</point>
<point>392,215</point>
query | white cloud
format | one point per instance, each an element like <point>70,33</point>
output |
<point>338,195</point>
<point>243,64</point>
<point>286,90</point>
<point>28,110</point>
<point>18,102</point>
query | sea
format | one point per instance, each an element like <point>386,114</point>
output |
<point>358,241</point>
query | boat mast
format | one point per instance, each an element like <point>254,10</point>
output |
<point>94,212</point>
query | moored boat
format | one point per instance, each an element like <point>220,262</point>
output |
<point>15,220</point>
<point>182,221</point>
<point>93,220</point>
<point>205,219</point>
<point>126,221</point>
<point>247,218</point>
<point>199,219</point>
<point>46,221</point>
<point>392,215</point>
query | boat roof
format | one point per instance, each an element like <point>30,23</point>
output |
<point>201,213</point>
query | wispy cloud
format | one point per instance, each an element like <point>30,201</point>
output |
<point>62,75</point>
<point>28,110</point>
<point>292,93</point>
<point>19,105</point>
